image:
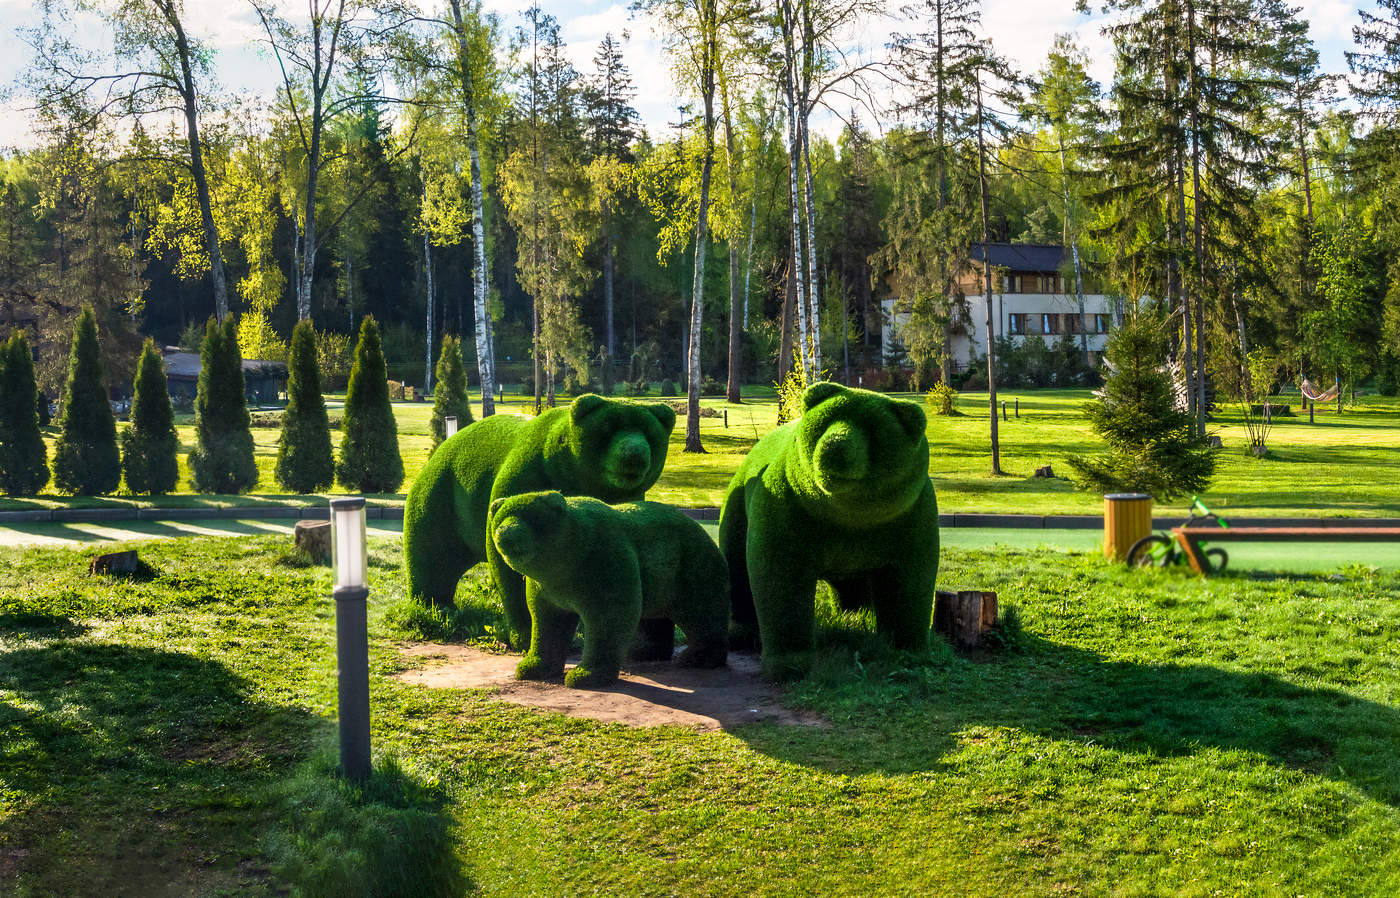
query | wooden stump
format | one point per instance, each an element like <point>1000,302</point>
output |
<point>117,564</point>
<point>314,538</point>
<point>964,617</point>
<point>1045,471</point>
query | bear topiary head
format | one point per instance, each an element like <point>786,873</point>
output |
<point>526,529</point>
<point>620,446</point>
<point>863,457</point>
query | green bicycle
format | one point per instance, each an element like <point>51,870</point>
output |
<point>1162,549</point>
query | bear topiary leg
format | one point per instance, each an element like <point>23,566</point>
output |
<point>436,559</point>
<point>733,539</point>
<point>785,599</point>
<point>607,631</point>
<point>511,587</point>
<point>656,640</point>
<point>703,616</point>
<point>551,635</point>
<point>904,606</point>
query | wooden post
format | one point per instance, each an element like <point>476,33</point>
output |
<point>1127,518</point>
<point>1018,406</point>
<point>965,617</point>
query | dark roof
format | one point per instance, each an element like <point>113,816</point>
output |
<point>185,366</point>
<point>1043,257</point>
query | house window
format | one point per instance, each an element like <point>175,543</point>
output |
<point>1017,324</point>
<point>1049,323</point>
<point>1011,283</point>
<point>1100,324</point>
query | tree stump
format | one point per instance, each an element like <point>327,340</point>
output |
<point>965,617</point>
<point>1045,471</point>
<point>314,538</point>
<point>116,564</point>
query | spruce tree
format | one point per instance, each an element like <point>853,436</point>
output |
<point>369,453</point>
<point>1151,444</point>
<point>149,445</point>
<point>305,463</point>
<point>222,460</point>
<point>450,395</point>
<point>85,460</point>
<point>23,457</point>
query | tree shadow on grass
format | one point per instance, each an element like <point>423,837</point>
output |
<point>147,772</point>
<point>1059,692</point>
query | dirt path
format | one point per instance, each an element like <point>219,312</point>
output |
<point>646,695</point>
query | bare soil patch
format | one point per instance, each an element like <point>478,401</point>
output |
<point>646,695</point>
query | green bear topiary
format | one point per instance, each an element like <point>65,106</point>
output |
<point>610,566</point>
<point>842,494</point>
<point>609,449</point>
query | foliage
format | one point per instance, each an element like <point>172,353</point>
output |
<point>1257,389</point>
<point>369,453</point>
<point>334,358</point>
<point>85,460</point>
<point>943,399</point>
<point>222,460</point>
<point>609,568</point>
<point>305,461</point>
<point>150,445</point>
<point>257,339</point>
<point>840,494</point>
<point>1151,447</point>
<point>450,394</point>
<point>23,456</point>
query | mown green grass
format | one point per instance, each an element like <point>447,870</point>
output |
<point>1343,465</point>
<point>1140,733</point>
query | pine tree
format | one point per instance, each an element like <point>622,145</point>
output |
<point>450,395</point>
<point>222,460</point>
<point>85,460</point>
<point>305,461</point>
<point>369,454</point>
<point>149,445</point>
<point>1152,448</point>
<point>23,457</point>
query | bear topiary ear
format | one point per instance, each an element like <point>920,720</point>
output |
<point>553,500</point>
<point>818,393</point>
<point>665,414</point>
<point>910,416</point>
<point>495,507</point>
<point>585,405</point>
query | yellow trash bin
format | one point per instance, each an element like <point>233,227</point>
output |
<point>1127,518</point>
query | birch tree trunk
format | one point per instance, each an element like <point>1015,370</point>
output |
<point>794,161</point>
<point>987,275</point>
<point>736,336</point>
<point>428,326</point>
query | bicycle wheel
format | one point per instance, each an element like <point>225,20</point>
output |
<point>1218,559</point>
<point>1153,550</point>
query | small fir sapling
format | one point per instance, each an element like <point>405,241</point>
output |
<point>369,452</point>
<point>23,456</point>
<point>85,458</point>
<point>305,461</point>
<point>450,394</point>
<point>150,446</point>
<point>222,460</point>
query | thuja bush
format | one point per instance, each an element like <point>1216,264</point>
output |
<point>149,445</point>
<point>23,457</point>
<point>305,462</point>
<point>85,460</point>
<point>369,454</point>
<point>450,394</point>
<point>1151,447</point>
<point>222,460</point>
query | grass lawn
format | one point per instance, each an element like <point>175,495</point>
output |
<point>1340,466</point>
<point>1140,733</point>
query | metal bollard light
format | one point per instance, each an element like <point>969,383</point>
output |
<point>450,424</point>
<point>351,564</point>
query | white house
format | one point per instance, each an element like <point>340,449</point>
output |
<point>1033,297</point>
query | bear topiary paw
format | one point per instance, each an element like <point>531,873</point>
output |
<point>583,678</point>
<point>786,667</point>
<point>532,667</point>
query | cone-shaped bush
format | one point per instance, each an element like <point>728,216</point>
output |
<point>450,394</point>
<point>41,406</point>
<point>222,460</point>
<point>304,460</point>
<point>85,460</point>
<point>1150,445</point>
<point>369,453</point>
<point>149,445</point>
<point>23,457</point>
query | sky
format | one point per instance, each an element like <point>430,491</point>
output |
<point>1021,29</point>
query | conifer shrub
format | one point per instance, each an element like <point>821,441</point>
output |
<point>85,459</point>
<point>149,445</point>
<point>369,453</point>
<point>222,460</point>
<point>23,457</point>
<point>1151,448</point>
<point>305,461</point>
<point>41,407</point>
<point>450,394</point>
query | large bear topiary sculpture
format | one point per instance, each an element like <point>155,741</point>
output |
<point>610,449</point>
<point>610,566</point>
<point>842,494</point>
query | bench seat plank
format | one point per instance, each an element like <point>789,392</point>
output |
<point>1291,534</point>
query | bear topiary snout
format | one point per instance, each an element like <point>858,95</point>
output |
<point>628,460</point>
<point>842,457</point>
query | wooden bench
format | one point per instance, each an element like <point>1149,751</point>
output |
<point>1191,538</point>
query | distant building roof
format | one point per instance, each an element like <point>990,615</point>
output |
<point>185,366</point>
<point>1043,257</point>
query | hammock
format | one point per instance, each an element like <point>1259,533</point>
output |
<point>1312,394</point>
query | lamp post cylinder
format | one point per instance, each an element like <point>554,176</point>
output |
<point>351,634</point>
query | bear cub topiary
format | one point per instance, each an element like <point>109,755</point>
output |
<point>610,566</point>
<point>606,448</point>
<point>842,494</point>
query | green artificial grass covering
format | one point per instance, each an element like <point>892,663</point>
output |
<point>609,567</point>
<point>842,495</point>
<point>610,449</point>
